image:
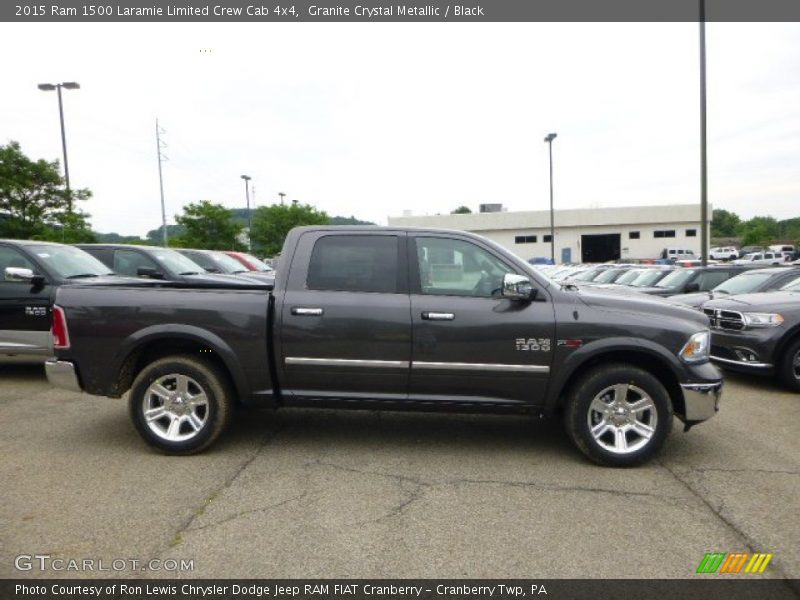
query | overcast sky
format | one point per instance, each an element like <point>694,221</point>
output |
<point>371,119</point>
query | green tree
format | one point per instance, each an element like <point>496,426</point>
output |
<point>33,199</point>
<point>272,223</point>
<point>71,228</point>
<point>724,223</point>
<point>462,210</point>
<point>209,226</point>
<point>154,237</point>
<point>758,230</point>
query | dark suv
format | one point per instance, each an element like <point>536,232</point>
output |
<point>750,282</point>
<point>693,279</point>
<point>758,333</point>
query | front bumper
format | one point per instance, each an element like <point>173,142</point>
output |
<point>61,373</point>
<point>751,350</point>
<point>700,401</point>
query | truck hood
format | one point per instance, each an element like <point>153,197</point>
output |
<point>761,302</point>
<point>695,300</point>
<point>653,307</point>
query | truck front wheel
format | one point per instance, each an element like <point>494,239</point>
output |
<point>180,405</point>
<point>618,415</point>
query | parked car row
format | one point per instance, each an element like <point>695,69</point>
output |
<point>31,272</point>
<point>753,307</point>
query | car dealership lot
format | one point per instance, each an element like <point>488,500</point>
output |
<point>344,494</point>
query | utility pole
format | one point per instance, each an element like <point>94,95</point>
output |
<point>703,154</point>
<point>161,158</point>
<point>281,194</point>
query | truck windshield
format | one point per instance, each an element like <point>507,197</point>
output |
<point>175,262</point>
<point>649,278</point>
<point>227,264</point>
<point>676,279</point>
<point>792,286</point>
<point>742,284</point>
<point>259,264</point>
<point>69,262</point>
<point>608,276</point>
<point>629,277</point>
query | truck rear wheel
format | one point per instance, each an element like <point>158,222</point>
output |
<point>180,405</point>
<point>618,415</point>
<point>790,367</point>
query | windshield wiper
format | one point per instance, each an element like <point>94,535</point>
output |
<point>82,275</point>
<point>190,273</point>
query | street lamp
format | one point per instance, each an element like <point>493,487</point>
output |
<point>703,141</point>
<point>247,179</point>
<point>49,87</point>
<point>549,139</point>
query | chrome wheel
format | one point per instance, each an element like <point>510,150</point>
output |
<point>175,407</point>
<point>622,418</point>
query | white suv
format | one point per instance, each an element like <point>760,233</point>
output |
<point>761,258</point>
<point>724,253</point>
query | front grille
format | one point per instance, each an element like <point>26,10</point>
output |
<point>724,319</point>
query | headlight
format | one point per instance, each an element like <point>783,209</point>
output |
<point>696,349</point>
<point>762,319</point>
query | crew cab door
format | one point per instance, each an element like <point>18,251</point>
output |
<point>470,343</point>
<point>345,325</point>
<point>24,308</point>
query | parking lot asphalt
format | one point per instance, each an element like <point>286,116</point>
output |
<point>302,493</point>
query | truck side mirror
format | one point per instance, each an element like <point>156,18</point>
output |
<point>149,272</point>
<point>23,275</point>
<point>518,287</point>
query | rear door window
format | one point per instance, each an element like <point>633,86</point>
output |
<point>354,263</point>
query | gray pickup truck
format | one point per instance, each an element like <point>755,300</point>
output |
<point>392,319</point>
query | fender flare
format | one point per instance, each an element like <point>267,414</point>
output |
<point>140,338</point>
<point>570,368</point>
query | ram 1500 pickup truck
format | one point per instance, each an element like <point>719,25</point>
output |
<point>397,319</point>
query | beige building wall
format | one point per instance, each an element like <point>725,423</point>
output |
<point>571,225</point>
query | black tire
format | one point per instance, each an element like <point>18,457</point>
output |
<point>598,384</point>
<point>199,376</point>
<point>789,369</point>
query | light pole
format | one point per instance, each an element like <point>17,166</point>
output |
<point>549,139</point>
<point>247,179</point>
<point>49,87</point>
<point>281,194</point>
<point>703,155</point>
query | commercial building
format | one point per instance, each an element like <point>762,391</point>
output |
<point>582,235</point>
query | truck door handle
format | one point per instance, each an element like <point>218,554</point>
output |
<point>438,316</point>
<point>307,312</point>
